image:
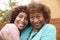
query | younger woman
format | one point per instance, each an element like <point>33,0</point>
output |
<point>19,21</point>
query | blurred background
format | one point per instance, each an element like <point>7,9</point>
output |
<point>7,5</point>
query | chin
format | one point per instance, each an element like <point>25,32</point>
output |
<point>20,29</point>
<point>38,27</point>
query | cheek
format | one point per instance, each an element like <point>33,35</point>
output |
<point>31,21</point>
<point>41,19</point>
<point>16,20</point>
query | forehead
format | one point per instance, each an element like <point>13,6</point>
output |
<point>23,13</point>
<point>35,14</point>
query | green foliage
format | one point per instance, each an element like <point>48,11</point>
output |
<point>4,15</point>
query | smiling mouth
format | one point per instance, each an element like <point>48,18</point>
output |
<point>36,24</point>
<point>21,25</point>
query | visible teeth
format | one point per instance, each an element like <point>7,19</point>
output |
<point>21,25</point>
<point>36,24</point>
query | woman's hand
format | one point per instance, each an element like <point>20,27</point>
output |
<point>4,37</point>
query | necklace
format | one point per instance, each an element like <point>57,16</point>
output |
<point>34,34</point>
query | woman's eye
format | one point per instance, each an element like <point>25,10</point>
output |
<point>32,17</point>
<point>38,16</point>
<point>20,16</point>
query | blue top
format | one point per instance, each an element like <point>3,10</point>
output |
<point>47,32</point>
<point>33,33</point>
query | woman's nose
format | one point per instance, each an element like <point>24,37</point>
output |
<point>22,19</point>
<point>35,20</point>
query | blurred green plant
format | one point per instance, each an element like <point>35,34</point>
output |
<point>4,15</point>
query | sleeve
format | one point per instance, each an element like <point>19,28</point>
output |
<point>5,30</point>
<point>12,29</point>
<point>49,33</point>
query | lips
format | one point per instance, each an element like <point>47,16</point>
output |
<point>21,25</point>
<point>36,24</point>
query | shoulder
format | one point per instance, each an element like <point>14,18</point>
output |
<point>10,28</point>
<point>49,29</point>
<point>10,25</point>
<point>48,32</point>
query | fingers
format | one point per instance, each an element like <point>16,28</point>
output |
<point>2,36</point>
<point>9,36</point>
<point>6,37</point>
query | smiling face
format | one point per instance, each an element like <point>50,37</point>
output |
<point>36,20</point>
<point>21,20</point>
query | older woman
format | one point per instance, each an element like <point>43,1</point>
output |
<point>19,21</point>
<point>40,28</point>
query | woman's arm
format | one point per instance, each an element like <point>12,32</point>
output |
<point>4,37</point>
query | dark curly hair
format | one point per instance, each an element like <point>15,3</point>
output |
<point>40,8</point>
<point>16,11</point>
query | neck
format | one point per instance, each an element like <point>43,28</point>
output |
<point>34,29</point>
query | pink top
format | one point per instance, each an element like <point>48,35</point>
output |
<point>12,29</point>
